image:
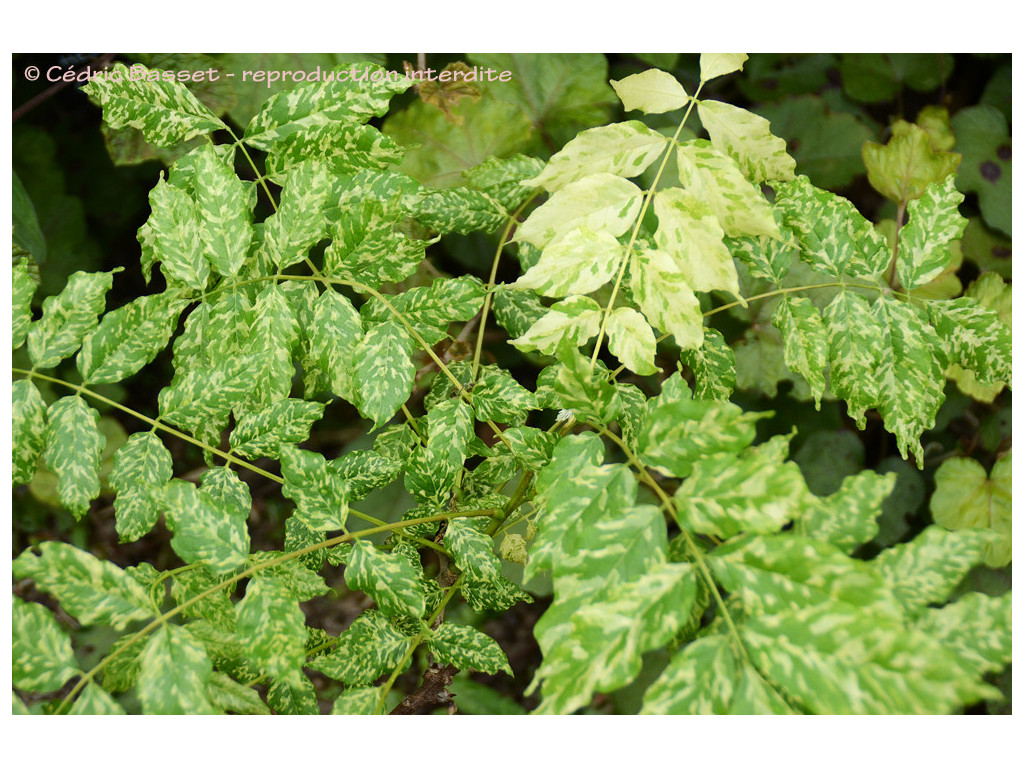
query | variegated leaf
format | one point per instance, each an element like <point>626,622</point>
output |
<point>68,317</point>
<point>74,451</point>
<point>272,626</point>
<point>631,340</point>
<point>805,341</point>
<point>467,648</point>
<point>300,220</point>
<point>206,530</point>
<point>368,246</point>
<point>319,492</point>
<point>263,432</point>
<point>472,550</point>
<point>389,579</point>
<point>748,139</point>
<point>40,652</point>
<point>975,338</point>
<point>433,470</point>
<point>95,701</point>
<point>225,215</point>
<point>714,65</point>
<point>977,628</point>
<point>23,287</point>
<point>28,430</point>
<point>846,519</point>
<point>665,296</point>
<point>431,308</point>
<point>172,237</point>
<point>714,367</point>
<point>575,320</point>
<point>370,647</point>
<point>175,672</point>
<point>934,223</point>
<point>383,371</point>
<point>343,146</point>
<point>141,467</point>
<point>580,262</point>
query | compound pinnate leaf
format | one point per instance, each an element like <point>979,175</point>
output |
<point>313,104</point>
<point>467,648</point>
<point>319,493</point>
<point>384,372</point>
<point>652,92</point>
<point>601,202</point>
<point>141,467</point>
<point>926,569</point>
<point>623,149</point>
<point>164,110</point>
<point>966,498</point>
<point>225,216</point>
<point>174,675</point>
<point>748,139</point>
<point>68,317</point>
<point>665,296</point>
<point>92,590</point>
<point>370,647</point>
<point>580,262</point>
<point>389,579</point>
<point>128,338</point>
<point>631,340</point>
<point>714,178</point>
<point>688,231</point>
<point>74,448</point>
<point>172,237</point>
<point>28,430</point>
<point>832,234</point>
<point>272,626</point>
<point>23,287</point>
<point>206,529</point>
<point>263,432</point>
<point>714,65</point>
<point>41,652</point>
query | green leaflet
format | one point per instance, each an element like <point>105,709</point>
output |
<point>263,432</point>
<point>300,221</point>
<point>714,367</point>
<point>367,246</point>
<point>92,590</point>
<point>28,430</point>
<point>623,149</point>
<point>95,701</point>
<point>714,65</point>
<point>225,213</point>
<point>172,236</point>
<point>357,701</point>
<point>272,626</point>
<point>383,371</point>
<point>431,473</point>
<point>580,262</point>
<point>904,168</point>
<point>708,678</point>
<point>652,92</point>
<point>832,235</point>
<point>456,209</point>
<point>370,647</point>
<point>665,296</point>
<point>429,309</point>
<point>846,519</point>
<point>467,648</point>
<point>756,491</point>
<point>344,147</point>
<point>576,320</point>
<point>934,223</point>
<point>805,341</point>
<point>355,99</point>
<point>714,178</point>
<point>601,202</point>
<point>976,628</point>
<point>688,231</point>
<point>206,529</point>
<point>68,317</point>
<point>320,494</point>
<point>974,337</point>
<point>128,338</point>
<point>965,498</point>
<point>204,395</point>
<point>389,579</point>
<point>679,430</point>
<point>747,138</point>
<point>141,467</point>
<point>74,447</point>
<point>927,569</point>
<point>41,652</point>
<point>23,287</point>
<point>363,471</point>
<point>631,340</point>
<point>293,694</point>
<point>174,675</point>
<point>230,696</point>
<point>150,100</point>
<point>472,550</point>
<point>277,330</point>
<point>332,337</point>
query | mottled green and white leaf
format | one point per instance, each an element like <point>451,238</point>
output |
<point>467,648</point>
<point>74,448</point>
<point>748,139</point>
<point>175,672</point>
<point>40,653</point>
<point>68,317</point>
<point>141,467</point>
<point>28,430</point>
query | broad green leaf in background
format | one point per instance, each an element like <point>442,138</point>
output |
<point>94,591</point>
<point>41,652</point>
<point>25,224</point>
<point>652,92</point>
<point>903,168</point>
<point>467,648</point>
<point>388,579</point>
<point>141,467</point>
<point>714,65</point>
<point>623,149</point>
<point>175,671</point>
<point>965,497</point>
<point>73,452</point>
<point>129,338</point>
<point>982,135</point>
<point>28,430</point>
<point>68,317</point>
<point>165,111</point>
<point>748,139</point>
<point>876,77</point>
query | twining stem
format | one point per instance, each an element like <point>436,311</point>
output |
<point>230,458</point>
<point>250,571</point>
<point>636,228</point>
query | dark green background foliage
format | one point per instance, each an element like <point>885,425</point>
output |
<point>82,193</point>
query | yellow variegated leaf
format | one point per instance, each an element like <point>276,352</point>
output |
<point>652,92</point>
